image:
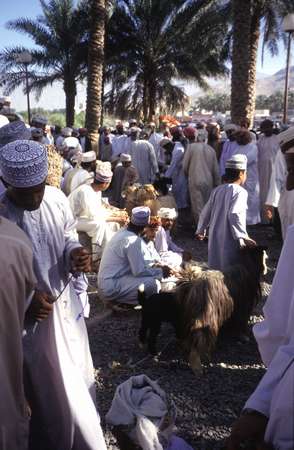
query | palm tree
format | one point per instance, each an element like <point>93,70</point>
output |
<point>151,44</point>
<point>61,38</point>
<point>98,15</point>
<point>250,19</point>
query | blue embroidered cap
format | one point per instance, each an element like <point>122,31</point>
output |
<point>141,216</point>
<point>24,163</point>
<point>13,131</point>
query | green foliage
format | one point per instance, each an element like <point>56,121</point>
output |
<point>213,102</point>
<point>152,43</point>
<point>274,102</point>
<point>61,37</point>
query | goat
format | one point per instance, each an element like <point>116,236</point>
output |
<point>209,301</point>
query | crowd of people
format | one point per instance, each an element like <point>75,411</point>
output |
<point>66,212</point>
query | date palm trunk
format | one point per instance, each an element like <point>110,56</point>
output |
<point>246,31</point>
<point>240,98</point>
<point>95,70</point>
<point>70,90</point>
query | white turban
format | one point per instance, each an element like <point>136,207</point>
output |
<point>167,213</point>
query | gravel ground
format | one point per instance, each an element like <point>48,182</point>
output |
<point>206,405</point>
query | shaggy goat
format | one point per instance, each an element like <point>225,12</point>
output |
<point>208,301</point>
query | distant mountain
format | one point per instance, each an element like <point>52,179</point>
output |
<point>265,85</point>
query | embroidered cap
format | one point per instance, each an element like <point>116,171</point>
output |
<point>238,162</point>
<point>88,157</point>
<point>24,163</point>
<point>141,216</point>
<point>14,131</point>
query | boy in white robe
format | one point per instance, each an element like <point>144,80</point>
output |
<point>269,412</point>
<point>170,253</point>
<point>59,376</point>
<point>123,265</point>
<point>225,216</point>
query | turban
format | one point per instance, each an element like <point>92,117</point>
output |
<point>124,157</point>
<point>141,216</point>
<point>167,213</point>
<point>238,162</point>
<point>103,172</point>
<point>66,132</point>
<point>190,132</point>
<point>88,157</point>
<point>286,139</point>
<point>71,142</point>
<point>13,131</point>
<point>40,119</point>
<point>3,120</point>
<point>24,163</point>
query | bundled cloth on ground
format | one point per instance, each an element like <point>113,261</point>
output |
<point>146,414</point>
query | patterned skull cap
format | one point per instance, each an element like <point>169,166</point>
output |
<point>13,131</point>
<point>24,163</point>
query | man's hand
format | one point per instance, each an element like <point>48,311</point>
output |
<point>80,260</point>
<point>41,306</point>
<point>249,243</point>
<point>199,237</point>
<point>269,212</point>
<point>249,427</point>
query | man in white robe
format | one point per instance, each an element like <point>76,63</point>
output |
<point>278,195</point>
<point>123,267</point>
<point>86,205</point>
<point>120,142</point>
<point>268,146</point>
<point>143,157</point>
<point>225,216</point>
<point>175,170</point>
<point>17,281</point>
<point>154,139</point>
<point>74,179</point>
<point>269,412</point>
<point>249,149</point>
<point>228,147</point>
<point>59,376</point>
<point>201,168</point>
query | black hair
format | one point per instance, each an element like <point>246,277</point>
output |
<point>232,175</point>
<point>161,186</point>
<point>135,228</point>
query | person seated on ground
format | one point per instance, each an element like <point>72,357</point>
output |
<point>85,202</point>
<point>165,198</point>
<point>123,265</point>
<point>169,252</point>
<point>124,175</point>
<point>269,411</point>
<point>225,215</point>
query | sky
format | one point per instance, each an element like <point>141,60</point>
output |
<point>53,97</point>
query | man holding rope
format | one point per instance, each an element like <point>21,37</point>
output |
<point>59,380</point>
